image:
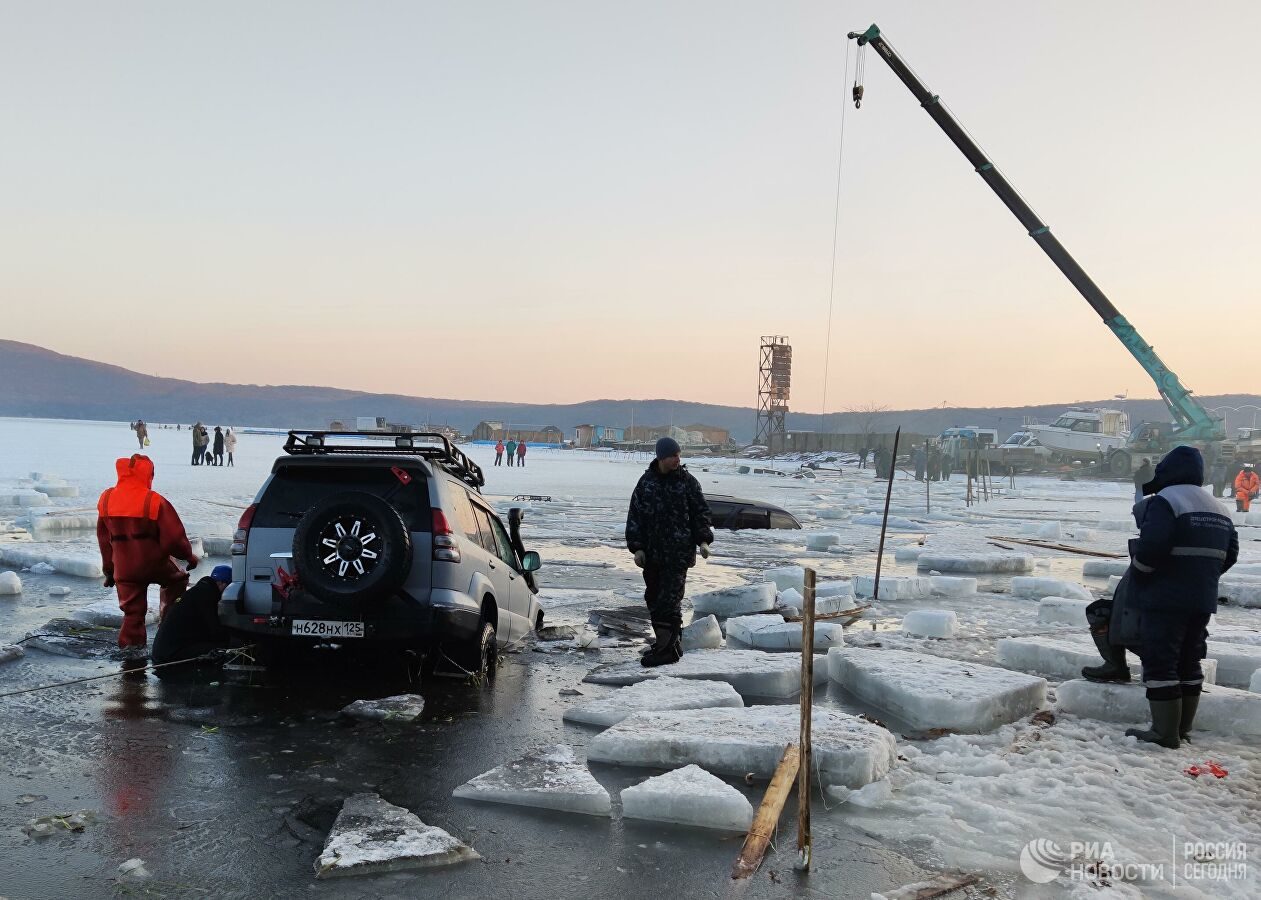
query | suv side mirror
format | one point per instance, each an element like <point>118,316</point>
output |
<point>531,562</point>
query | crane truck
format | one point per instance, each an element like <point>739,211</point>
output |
<point>1192,424</point>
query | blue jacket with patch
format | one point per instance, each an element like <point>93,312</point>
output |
<point>1186,539</point>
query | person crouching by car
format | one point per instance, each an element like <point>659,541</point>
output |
<point>191,626</point>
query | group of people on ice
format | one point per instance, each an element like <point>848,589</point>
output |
<point>514,449</point>
<point>208,451</point>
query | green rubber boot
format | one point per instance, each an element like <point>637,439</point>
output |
<point>1166,721</point>
<point>1190,704</point>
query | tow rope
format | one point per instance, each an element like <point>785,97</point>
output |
<point>205,657</point>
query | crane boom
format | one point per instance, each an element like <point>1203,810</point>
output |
<point>1192,421</point>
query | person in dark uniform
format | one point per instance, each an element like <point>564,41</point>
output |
<point>190,627</point>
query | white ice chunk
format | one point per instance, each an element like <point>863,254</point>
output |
<point>847,750</point>
<point>832,513</point>
<point>371,836</point>
<point>1254,685</point>
<point>1253,517</point>
<point>689,796</point>
<point>896,523</point>
<point>1222,710</point>
<point>976,562</point>
<point>792,597</point>
<point>1039,586</point>
<point>787,578</point>
<point>10,584</point>
<point>1233,634</point>
<point>952,586</point>
<point>930,692</point>
<point>754,673</point>
<point>822,541</point>
<point>834,589</point>
<point>550,778</point>
<point>400,708</point>
<point>10,652</point>
<point>663,693</point>
<point>1113,581</point>
<point>217,545</point>
<point>1098,568</point>
<point>1245,593</point>
<point>106,612</point>
<point>932,623</point>
<point>58,521</point>
<point>771,632</point>
<point>703,633</point>
<point>1063,657</point>
<point>907,554</point>
<point>57,489</point>
<point>736,601</point>
<point>1235,662</point>
<point>43,568</point>
<point>894,588</point>
<point>23,498</point>
<point>1062,611</point>
<point>77,564</point>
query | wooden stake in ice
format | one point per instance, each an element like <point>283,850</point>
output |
<point>767,818</point>
<point>804,842</point>
<point>884,522</point>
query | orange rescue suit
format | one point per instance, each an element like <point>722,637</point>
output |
<point>1246,486</point>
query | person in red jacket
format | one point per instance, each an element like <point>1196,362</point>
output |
<point>1247,486</point>
<point>521,453</point>
<point>139,532</point>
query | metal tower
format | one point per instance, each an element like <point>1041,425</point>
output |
<point>775,377</point>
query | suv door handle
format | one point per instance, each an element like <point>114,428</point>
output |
<point>492,564</point>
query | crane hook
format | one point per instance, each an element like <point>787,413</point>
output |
<point>858,95</point>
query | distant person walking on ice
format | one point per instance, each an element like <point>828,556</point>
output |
<point>229,444</point>
<point>920,460</point>
<point>512,451</point>
<point>1144,474</point>
<point>142,433</point>
<point>521,453</point>
<point>862,458</point>
<point>1246,486</point>
<point>198,447</point>
<point>667,521</point>
<point>499,452</point>
<point>218,446</point>
<point>139,534</point>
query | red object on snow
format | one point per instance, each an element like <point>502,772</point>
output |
<point>1209,768</point>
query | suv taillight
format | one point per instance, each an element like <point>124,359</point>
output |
<point>445,549</point>
<point>242,535</point>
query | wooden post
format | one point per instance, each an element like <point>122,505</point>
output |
<point>884,523</point>
<point>804,841</point>
<point>767,818</point>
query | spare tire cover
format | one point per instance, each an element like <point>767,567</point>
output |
<point>351,545</point>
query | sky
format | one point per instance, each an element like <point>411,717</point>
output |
<point>561,201</point>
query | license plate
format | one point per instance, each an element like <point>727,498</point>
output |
<point>324,628</point>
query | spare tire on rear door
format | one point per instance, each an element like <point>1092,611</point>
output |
<point>351,544</point>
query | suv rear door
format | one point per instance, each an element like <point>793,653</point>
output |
<point>500,574</point>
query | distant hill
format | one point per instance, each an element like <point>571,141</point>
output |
<point>39,382</point>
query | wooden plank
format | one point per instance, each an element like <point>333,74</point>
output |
<point>936,887</point>
<point>804,843</point>
<point>1048,545</point>
<point>767,818</point>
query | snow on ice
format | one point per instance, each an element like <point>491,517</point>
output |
<point>664,693</point>
<point>689,796</point>
<point>847,750</point>
<point>754,673</point>
<point>371,836</point>
<point>550,778</point>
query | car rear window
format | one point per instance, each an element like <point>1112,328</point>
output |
<point>295,489</point>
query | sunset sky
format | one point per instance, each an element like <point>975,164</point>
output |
<point>552,202</point>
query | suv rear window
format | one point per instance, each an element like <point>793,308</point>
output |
<point>295,489</point>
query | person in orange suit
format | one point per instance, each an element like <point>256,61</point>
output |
<point>1246,486</point>
<point>139,532</point>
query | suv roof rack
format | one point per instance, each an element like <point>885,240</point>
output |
<point>452,459</point>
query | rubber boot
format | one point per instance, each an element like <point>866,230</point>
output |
<point>1166,719</point>
<point>1190,705</point>
<point>677,643</point>
<point>663,651</point>
<point>1113,668</point>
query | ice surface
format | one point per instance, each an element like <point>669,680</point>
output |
<point>1115,525</point>
<point>689,796</point>
<point>1098,568</point>
<point>75,638</point>
<point>952,585</point>
<point>896,523</point>
<point>1063,657</point>
<point>1039,586</point>
<point>847,750</point>
<point>1253,517</point>
<point>822,540</point>
<point>43,568</point>
<point>787,578</point>
<point>702,634</point>
<point>1254,685</point>
<point>930,692</point>
<point>1063,611</point>
<point>933,623</point>
<point>400,708</point>
<point>1245,593</point>
<point>10,652</point>
<point>371,836</point>
<point>550,778</point>
<point>106,612</point>
<point>736,601</point>
<point>1223,710</point>
<point>60,490</point>
<point>1235,662</point>
<point>554,598</point>
<point>10,584</point>
<point>665,693</point>
<point>894,587</point>
<point>976,562</point>
<point>771,632</point>
<point>754,673</point>
<point>907,554</point>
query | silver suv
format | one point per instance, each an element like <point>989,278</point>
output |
<point>381,538</point>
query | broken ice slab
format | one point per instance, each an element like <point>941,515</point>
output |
<point>907,554</point>
<point>624,621</point>
<point>80,640</point>
<point>976,562</point>
<point>1039,586</point>
<point>929,692</point>
<point>108,614</point>
<point>703,633</point>
<point>664,693</point>
<point>895,523</point>
<point>399,708</point>
<point>218,545</point>
<point>1063,611</point>
<point>550,778</point>
<point>894,588</point>
<point>10,584</point>
<point>1223,710</point>
<point>1255,684</point>
<point>736,601</point>
<point>1244,590</point>
<point>1064,657</point>
<point>822,541</point>
<point>10,652</point>
<point>771,632</point>
<point>1235,662</point>
<point>754,673</point>
<point>557,633</point>
<point>371,836</point>
<point>847,750</point>
<point>77,564</point>
<point>689,796</point>
<point>830,598</point>
<point>931,623</point>
<point>952,585</point>
<point>787,578</point>
<point>1099,568</point>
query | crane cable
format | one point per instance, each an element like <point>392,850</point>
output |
<point>836,219</point>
